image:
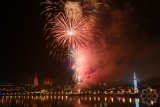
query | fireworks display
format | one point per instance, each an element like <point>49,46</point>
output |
<point>95,46</point>
<point>72,30</point>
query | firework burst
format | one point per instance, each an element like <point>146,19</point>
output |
<point>68,28</point>
<point>70,32</point>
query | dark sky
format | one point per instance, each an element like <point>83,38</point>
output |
<point>23,45</point>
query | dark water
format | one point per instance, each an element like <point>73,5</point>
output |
<point>71,101</point>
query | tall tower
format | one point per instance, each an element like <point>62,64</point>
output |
<point>35,82</point>
<point>135,84</point>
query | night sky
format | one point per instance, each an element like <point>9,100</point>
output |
<point>132,34</point>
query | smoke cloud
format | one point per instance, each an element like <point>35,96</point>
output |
<point>122,47</point>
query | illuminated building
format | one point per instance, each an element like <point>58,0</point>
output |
<point>135,84</point>
<point>35,82</point>
<point>48,82</point>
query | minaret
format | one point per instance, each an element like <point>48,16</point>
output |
<point>35,82</point>
<point>135,84</point>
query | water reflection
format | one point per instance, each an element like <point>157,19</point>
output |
<point>137,102</point>
<point>69,101</point>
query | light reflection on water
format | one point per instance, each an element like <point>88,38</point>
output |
<point>69,101</point>
<point>137,102</point>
